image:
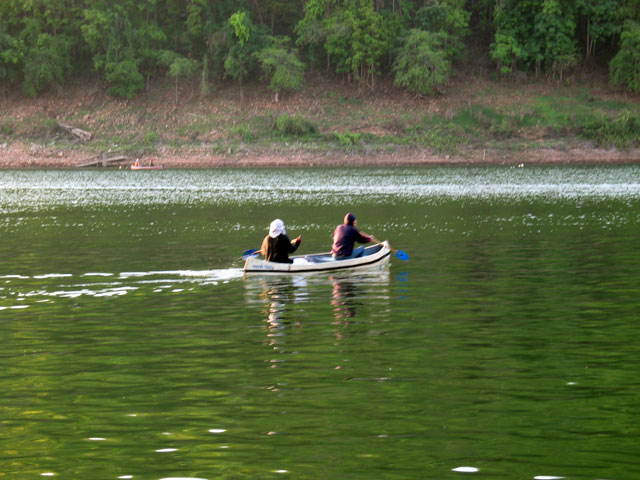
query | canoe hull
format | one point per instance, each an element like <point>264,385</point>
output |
<point>147,167</point>
<point>321,262</point>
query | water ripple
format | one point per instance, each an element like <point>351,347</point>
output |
<point>44,189</point>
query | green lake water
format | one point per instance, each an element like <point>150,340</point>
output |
<point>507,347</point>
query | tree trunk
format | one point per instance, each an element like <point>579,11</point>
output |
<point>255,5</point>
<point>589,48</point>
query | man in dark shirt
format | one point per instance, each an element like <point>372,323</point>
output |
<point>344,238</point>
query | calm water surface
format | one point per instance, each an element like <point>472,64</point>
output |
<point>508,346</point>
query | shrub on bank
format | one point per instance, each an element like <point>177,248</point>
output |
<point>295,126</point>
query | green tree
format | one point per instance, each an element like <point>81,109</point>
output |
<point>600,19</point>
<point>39,40</point>
<point>422,64</point>
<point>125,77</point>
<point>178,66</point>
<point>46,63</point>
<point>237,63</point>
<point>554,31</point>
<point>511,44</point>
<point>449,17</point>
<point>245,40</point>
<point>625,66</point>
<point>10,59</point>
<point>312,30</point>
<point>126,41</point>
<point>282,68</point>
<point>530,33</point>
<point>110,34</point>
<point>629,10</point>
<point>354,35</point>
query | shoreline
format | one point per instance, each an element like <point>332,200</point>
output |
<point>17,155</point>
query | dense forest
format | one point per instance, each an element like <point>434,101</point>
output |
<point>417,43</point>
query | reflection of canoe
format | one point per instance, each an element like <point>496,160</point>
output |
<point>147,167</point>
<point>320,262</point>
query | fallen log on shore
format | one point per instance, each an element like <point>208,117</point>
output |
<point>76,132</point>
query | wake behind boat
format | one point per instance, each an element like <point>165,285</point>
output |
<point>374,255</point>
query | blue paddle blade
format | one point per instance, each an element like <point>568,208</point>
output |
<point>247,253</point>
<point>401,255</point>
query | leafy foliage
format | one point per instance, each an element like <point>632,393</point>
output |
<point>246,40</point>
<point>601,19</point>
<point>42,42</point>
<point>347,139</point>
<point>422,63</point>
<point>118,47</point>
<point>625,67</point>
<point>10,57</point>
<point>46,62</point>
<point>535,34</point>
<point>449,18</point>
<point>125,78</point>
<point>355,37</point>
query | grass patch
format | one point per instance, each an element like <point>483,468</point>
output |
<point>476,117</point>
<point>347,139</point>
<point>622,131</point>
<point>36,127</point>
<point>243,131</point>
<point>6,128</point>
<point>151,138</point>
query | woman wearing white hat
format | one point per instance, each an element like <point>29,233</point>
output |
<point>276,246</point>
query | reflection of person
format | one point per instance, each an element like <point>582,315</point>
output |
<point>276,246</point>
<point>344,297</point>
<point>344,238</point>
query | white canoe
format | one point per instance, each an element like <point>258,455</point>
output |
<point>320,262</point>
<point>147,167</point>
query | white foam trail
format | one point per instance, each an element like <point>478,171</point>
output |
<point>465,469</point>
<point>182,478</point>
<point>218,274</point>
<point>53,275</point>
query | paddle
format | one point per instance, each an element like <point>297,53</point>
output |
<point>398,253</point>
<point>249,253</point>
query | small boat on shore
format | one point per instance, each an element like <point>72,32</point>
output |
<point>146,167</point>
<point>320,262</point>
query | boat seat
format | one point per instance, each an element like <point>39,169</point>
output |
<point>320,258</point>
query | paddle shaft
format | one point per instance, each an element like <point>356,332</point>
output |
<point>398,253</point>
<point>379,242</point>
